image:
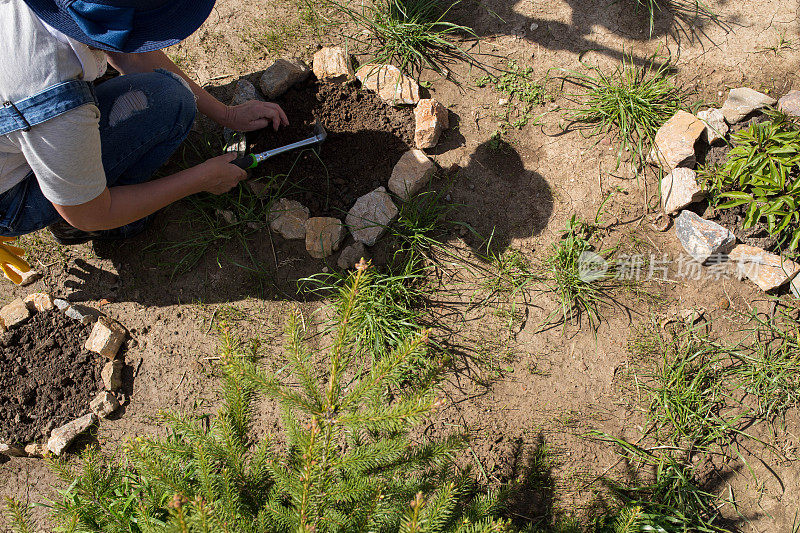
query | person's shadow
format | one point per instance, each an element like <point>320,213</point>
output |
<point>499,199</point>
<point>628,19</point>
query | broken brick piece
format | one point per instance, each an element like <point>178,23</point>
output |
<point>106,337</point>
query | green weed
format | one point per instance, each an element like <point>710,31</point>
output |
<point>630,102</point>
<point>578,275</point>
<point>673,502</point>
<point>413,34</point>
<point>522,92</point>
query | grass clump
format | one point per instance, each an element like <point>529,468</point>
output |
<point>671,501</point>
<point>412,34</point>
<point>350,457</point>
<point>521,91</point>
<point>578,275</point>
<point>631,102</point>
<point>762,176</point>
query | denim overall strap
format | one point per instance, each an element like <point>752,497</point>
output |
<point>50,103</point>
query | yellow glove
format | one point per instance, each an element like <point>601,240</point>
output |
<point>12,256</point>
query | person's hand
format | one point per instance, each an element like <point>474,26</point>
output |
<point>255,115</point>
<point>11,255</point>
<point>219,175</point>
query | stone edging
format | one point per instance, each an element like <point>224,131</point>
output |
<point>106,339</point>
<point>368,218</point>
<point>706,241</point>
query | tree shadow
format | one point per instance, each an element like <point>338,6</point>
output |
<point>502,200</point>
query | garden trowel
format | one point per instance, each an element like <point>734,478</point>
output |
<point>252,160</point>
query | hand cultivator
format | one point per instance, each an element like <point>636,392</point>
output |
<point>252,160</point>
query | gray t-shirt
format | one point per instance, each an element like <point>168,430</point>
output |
<point>63,152</point>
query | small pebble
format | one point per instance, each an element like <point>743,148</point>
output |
<point>724,303</point>
<point>534,26</point>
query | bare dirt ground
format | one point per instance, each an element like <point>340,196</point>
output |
<point>549,388</point>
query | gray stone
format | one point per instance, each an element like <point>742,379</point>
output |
<point>743,101</point>
<point>112,375</point>
<point>11,450</point>
<point>282,74</point>
<point>83,314</point>
<point>324,235</point>
<point>790,103</point>
<point>716,127</point>
<point>702,238</point>
<point>61,304</point>
<point>411,174</point>
<point>15,313</point>
<point>675,141</point>
<point>332,64</point>
<point>390,84</point>
<point>431,120</point>
<point>351,255</point>
<point>370,216</point>
<point>104,404</point>
<point>679,188</point>
<point>106,337</point>
<point>226,215</point>
<point>288,218</point>
<point>62,437</point>
<point>768,271</point>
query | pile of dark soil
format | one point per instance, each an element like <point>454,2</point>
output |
<point>48,377</point>
<point>366,138</point>
<point>733,218</point>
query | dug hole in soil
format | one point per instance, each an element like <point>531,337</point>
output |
<point>48,377</point>
<point>366,138</point>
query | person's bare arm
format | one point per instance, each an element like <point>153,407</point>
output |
<point>122,205</point>
<point>252,115</point>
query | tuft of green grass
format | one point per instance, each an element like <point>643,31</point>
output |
<point>522,92</point>
<point>630,102</point>
<point>686,12</point>
<point>413,34</point>
<point>672,502</point>
<point>578,275</point>
<point>687,393</point>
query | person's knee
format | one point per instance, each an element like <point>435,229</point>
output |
<point>165,96</point>
<point>180,98</point>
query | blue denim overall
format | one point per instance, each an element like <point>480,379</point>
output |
<point>144,118</point>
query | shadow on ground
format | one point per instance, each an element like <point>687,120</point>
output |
<point>502,200</point>
<point>679,19</point>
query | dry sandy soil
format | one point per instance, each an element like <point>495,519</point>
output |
<point>550,387</point>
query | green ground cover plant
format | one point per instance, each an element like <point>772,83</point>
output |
<point>412,34</point>
<point>630,102</point>
<point>346,461</point>
<point>521,91</point>
<point>762,175</point>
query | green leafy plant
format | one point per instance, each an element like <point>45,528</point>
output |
<point>631,102</point>
<point>347,462</point>
<point>521,91</point>
<point>413,34</point>
<point>762,175</point>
